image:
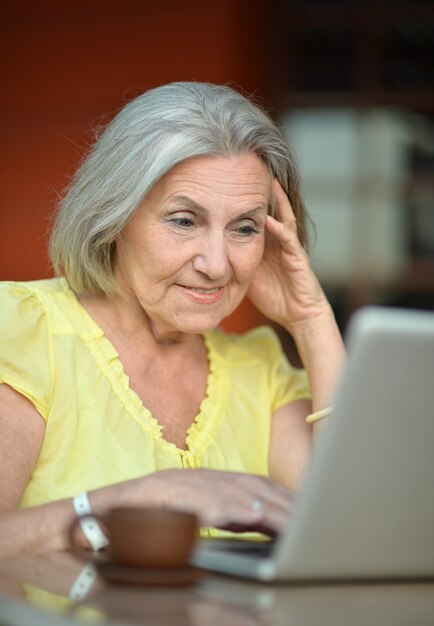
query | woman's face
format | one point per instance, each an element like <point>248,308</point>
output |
<point>188,254</point>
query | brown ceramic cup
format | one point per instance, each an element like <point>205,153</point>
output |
<point>143,537</point>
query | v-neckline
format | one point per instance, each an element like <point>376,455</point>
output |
<point>212,407</point>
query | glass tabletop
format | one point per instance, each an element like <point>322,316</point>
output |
<point>60,588</point>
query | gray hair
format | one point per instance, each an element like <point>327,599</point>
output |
<point>150,135</point>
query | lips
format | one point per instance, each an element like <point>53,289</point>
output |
<point>203,290</point>
<point>201,295</point>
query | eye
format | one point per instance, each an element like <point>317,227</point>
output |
<point>181,221</point>
<point>246,228</point>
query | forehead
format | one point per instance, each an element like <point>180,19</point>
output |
<point>243,177</point>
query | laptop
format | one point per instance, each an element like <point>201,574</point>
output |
<point>366,509</point>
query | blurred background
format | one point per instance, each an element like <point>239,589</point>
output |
<point>351,82</point>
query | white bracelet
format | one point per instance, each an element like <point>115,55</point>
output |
<point>319,415</point>
<point>83,582</point>
<point>90,527</point>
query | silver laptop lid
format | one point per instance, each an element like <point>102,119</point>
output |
<point>367,505</point>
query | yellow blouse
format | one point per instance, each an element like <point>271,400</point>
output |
<point>98,432</point>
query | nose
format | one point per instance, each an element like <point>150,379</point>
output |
<point>212,256</point>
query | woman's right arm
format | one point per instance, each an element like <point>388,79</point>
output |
<point>219,498</point>
<point>21,435</point>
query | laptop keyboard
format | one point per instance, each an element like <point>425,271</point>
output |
<point>254,548</point>
<point>239,546</point>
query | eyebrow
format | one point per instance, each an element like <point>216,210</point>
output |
<point>198,207</point>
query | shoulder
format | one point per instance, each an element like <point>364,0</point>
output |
<point>26,304</point>
<point>261,343</point>
<point>26,346</point>
<point>35,290</point>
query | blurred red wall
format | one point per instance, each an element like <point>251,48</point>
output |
<point>67,64</point>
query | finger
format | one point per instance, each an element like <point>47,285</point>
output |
<point>265,488</point>
<point>283,208</point>
<point>263,498</point>
<point>268,518</point>
<point>275,520</point>
<point>272,506</point>
<point>243,499</point>
<point>248,507</point>
<point>232,511</point>
<point>273,234</point>
<point>282,235</point>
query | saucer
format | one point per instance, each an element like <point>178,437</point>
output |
<point>115,573</point>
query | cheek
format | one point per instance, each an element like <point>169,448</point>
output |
<point>159,254</point>
<point>249,261</point>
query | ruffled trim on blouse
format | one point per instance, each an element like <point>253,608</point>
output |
<point>201,432</point>
<point>214,405</point>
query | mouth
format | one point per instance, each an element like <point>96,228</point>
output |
<point>201,295</point>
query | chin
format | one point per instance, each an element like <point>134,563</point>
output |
<point>197,329</point>
<point>197,325</point>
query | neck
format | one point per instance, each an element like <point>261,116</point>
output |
<point>124,315</point>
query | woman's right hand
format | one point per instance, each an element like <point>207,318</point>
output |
<point>227,500</point>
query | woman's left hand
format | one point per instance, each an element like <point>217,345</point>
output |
<point>285,288</point>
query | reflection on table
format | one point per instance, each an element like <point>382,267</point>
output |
<point>39,590</point>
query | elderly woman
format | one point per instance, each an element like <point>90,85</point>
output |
<point>116,379</point>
